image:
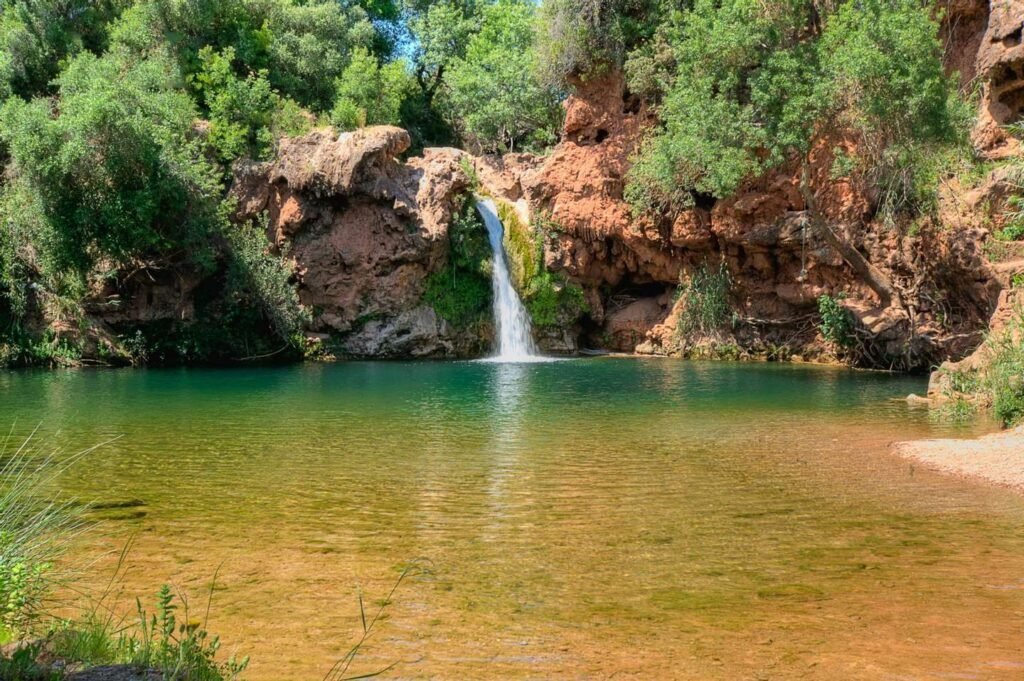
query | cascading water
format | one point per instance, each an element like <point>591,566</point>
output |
<point>511,320</point>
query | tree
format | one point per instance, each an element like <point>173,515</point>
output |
<point>581,38</point>
<point>302,46</point>
<point>440,31</point>
<point>370,94</point>
<point>36,36</point>
<point>117,170</point>
<point>758,83</point>
<point>494,94</point>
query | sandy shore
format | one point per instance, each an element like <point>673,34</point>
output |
<point>997,458</point>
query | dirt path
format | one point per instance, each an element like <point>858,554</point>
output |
<point>997,458</point>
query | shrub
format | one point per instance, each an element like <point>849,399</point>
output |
<point>258,277</point>
<point>999,383</point>
<point>179,648</point>
<point>369,93</point>
<point>836,322</point>
<point>552,302</point>
<point>1003,378</point>
<point>705,300</point>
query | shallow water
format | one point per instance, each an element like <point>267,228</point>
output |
<point>584,519</point>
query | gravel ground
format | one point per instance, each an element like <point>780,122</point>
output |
<point>997,458</point>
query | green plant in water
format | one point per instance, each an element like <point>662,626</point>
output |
<point>836,322</point>
<point>705,301</point>
<point>415,568</point>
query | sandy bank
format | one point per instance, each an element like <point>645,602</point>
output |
<point>997,458</point>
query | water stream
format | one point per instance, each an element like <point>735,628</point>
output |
<point>511,320</point>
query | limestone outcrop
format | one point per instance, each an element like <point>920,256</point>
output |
<point>364,230</point>
<point>778,267</point>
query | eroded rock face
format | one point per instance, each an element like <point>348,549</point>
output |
<point>778,266</point>
<point>985,45</point>
<point>365,231</point>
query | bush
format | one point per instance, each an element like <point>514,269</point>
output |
<point>999,383</point>
<point>1003,378</point>
<point>836,325</point>
<point>370,94</point>
<point>705,301</point>
<point>552,302</point>
<point>257,277</point>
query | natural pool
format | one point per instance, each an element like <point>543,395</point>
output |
<point>585,519</point>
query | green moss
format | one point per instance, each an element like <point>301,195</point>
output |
<point>522,247</point>
<point>552,302</point>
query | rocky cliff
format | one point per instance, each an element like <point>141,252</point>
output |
<point>364,231</point>
<point>778,268</point>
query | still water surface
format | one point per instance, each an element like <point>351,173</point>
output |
<point>584,519</point>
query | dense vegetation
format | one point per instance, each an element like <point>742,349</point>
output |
<point>120,121</point>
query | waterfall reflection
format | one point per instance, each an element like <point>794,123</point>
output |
<point>509,388</point>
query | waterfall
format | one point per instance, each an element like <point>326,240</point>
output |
<point>511,320</point>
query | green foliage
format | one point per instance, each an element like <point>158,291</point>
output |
<point>999,382</point>
<point>22,348</point>
<point>440,31</point>
<point>523,247</point>
<point>179,648</point>
<point>241,111</point>
<point>35,528</point>
<point>552,302</point>
<point>836,325</point>
<point>302,46</point>
<point>493,91</point>
<point>38,36</point>
<point>584,39</point>
<point>705,302</point>
<point>257,277</point>
<point>22,665</point>
<point>461,293</point>
<point>369,93</point>
<point>1013,230</point>
<point>754,82</point>
<point>1004,376</point>
<point>115,170</point>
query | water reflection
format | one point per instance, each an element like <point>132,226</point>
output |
<point>509,385</point>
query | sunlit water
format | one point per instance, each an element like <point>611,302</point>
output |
<point>585,519</point>
<point>511,321</point>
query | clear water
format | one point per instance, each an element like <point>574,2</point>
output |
<point>511,320</point>
<point>585,519</point>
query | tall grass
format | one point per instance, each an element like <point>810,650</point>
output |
<point>705,300</point>
<point>36,528</point>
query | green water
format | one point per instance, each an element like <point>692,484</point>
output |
<point>586,518</point>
